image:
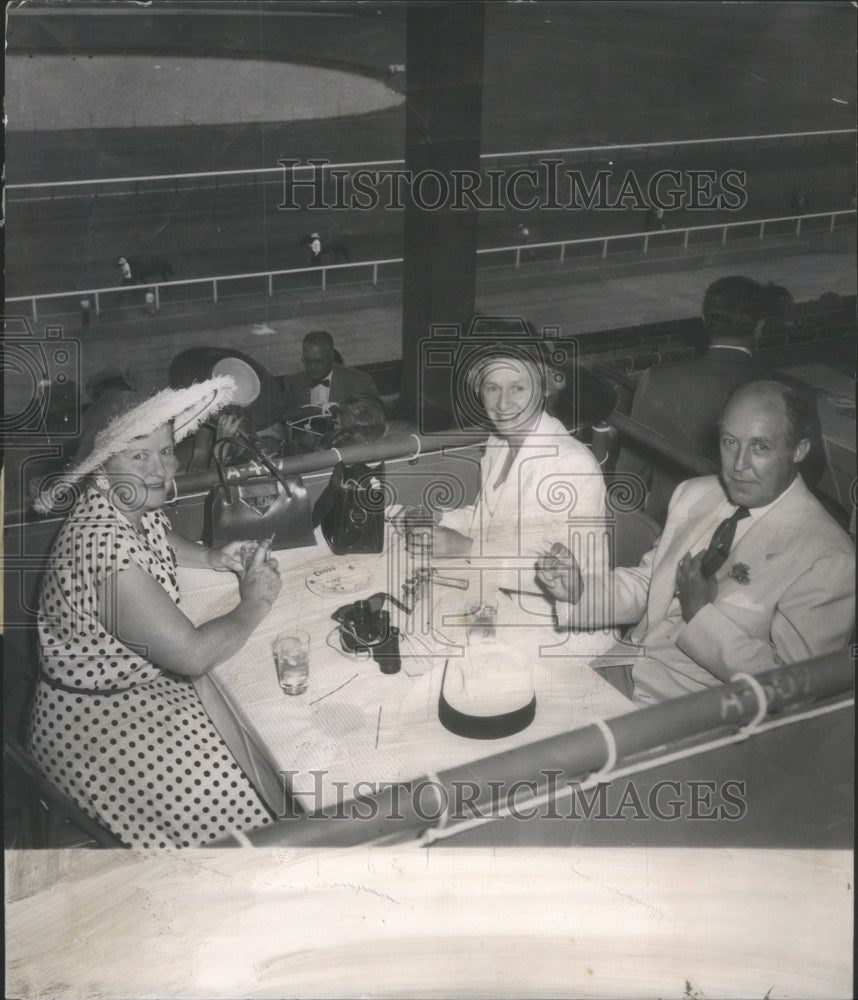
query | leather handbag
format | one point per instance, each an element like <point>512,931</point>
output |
<point>258,505</point>
<point>351,509</point>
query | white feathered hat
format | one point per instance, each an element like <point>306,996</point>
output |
<point>116,419</point>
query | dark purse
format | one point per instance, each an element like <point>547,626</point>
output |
<point>351,509</point>
<point>258,506</point>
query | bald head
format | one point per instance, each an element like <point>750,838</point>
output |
<point>761,442</point>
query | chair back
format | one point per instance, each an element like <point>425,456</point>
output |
<point>46,818</point>
<point>634,535</point>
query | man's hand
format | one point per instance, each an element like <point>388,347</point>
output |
<point>692,588</point>
<point>559,573</point>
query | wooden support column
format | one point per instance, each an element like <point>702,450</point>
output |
<point>444,73</point>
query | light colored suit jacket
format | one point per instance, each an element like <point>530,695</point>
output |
<point>553,490</point>
<point>785,593</point>
<point>345,382</point>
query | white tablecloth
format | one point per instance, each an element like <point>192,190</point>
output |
<point>354,724</point>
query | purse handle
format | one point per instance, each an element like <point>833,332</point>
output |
<point>245,444</point>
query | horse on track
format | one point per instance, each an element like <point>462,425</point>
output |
<point>336,248</point>
<point>142,267</point>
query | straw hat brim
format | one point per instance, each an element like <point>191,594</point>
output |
<point>185,409</point>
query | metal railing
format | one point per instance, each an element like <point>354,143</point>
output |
<point>215,178</point>
<point>642,241</point>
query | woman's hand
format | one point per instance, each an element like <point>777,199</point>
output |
<point>559,573</point>
<point>260,580</point>
<point>229,558</point>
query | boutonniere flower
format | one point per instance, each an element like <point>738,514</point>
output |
<point>740,572</point>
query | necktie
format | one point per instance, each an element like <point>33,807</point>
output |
<point>320,381</point>
<point>721,543</point>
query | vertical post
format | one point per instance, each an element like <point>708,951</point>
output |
<point>798,226</point>
<point>685,239</point>
<point>517,257</point>
<point>97,304</point>
<point>375,273</point>
<point>562,252</point>
<point>270,276</point>
<point>762,229</point>
<point>646,243</point>
<point>604,249</point>
<point>724,236</point>
<point>214,290</point>
<point>324,278</point>
<point>35,311</point>
<point>443,115</point>
<point>831,226</point>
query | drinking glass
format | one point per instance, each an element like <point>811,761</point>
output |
<point>292,660</point>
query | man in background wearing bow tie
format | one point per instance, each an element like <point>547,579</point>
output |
<point>323,380</point>
<point>750,572</point>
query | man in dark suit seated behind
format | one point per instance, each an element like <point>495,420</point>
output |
<point>312,393</point>
<point>750,572</point>
<point>682,401</point>
<point>323,381</point>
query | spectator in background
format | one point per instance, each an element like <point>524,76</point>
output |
<point>257,415</point>
<point>361,419</point>
<point>681,402</point>
<point>107,380</point>
<point>324,380</point>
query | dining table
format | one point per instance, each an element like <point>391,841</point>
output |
<point>356,728</point>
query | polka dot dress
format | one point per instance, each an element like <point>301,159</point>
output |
<point>135,748</point>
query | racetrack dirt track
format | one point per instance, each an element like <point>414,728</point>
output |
<point>556,74</point>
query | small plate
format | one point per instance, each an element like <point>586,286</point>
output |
<point>339,578</point>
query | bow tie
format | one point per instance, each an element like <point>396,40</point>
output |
<point>320,381</point>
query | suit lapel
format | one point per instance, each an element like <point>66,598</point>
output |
<point>768,537</point>
<point>694,529</point>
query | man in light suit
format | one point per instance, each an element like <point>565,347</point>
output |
<point>323,380</point>
<point>708,603</point>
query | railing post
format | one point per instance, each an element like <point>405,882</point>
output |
<point>724,236</point>
<point>375,273</point>
<point>762,229</point>
<point>517,257</point>
<point>798,226</point>
<point>646,243</point>
<point>97,305</point>
<point>604,249</point>
<point>157,297</point>
<point>562,252</point>
<point>35,311</point>
<point>270,282</point>
<point>831,226</point>
<point>214,287</point>
<point>324,279</point>
<point>685,239</point>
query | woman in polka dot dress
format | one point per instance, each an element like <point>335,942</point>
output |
<point>116,723</point>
